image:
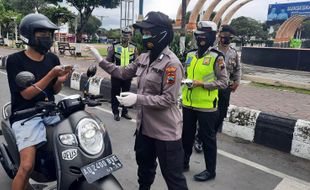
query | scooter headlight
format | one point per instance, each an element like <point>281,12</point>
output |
<point>90,136</point>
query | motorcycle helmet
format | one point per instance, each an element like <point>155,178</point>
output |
<point>126,31</point>
<point>32,23</point>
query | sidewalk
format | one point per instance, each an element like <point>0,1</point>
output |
<point>274,101</point>
<point>277,77</point>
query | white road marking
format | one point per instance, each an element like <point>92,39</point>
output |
<point>266,169</point>
<point>2,72</point>
<point>288,182</point>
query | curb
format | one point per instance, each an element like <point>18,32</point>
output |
<point>275,82</point>
<point>281,133</point>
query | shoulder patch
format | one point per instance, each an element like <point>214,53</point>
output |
<point>220,62</point>
<point>171,75</point>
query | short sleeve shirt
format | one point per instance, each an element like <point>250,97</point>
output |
<point>19,62</point>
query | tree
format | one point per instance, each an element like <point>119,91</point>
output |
<point>7,18</point>
<point>247,27</point>
<point>85,9</point>
<point>92,26</point>
<point>58,14</point>
<point>26,6</point>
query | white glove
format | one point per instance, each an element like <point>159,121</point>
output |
<point>187,82</point>
<point>127,99</point>
<point>95,53</point>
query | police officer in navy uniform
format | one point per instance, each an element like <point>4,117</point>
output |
<point>121,53</point>
<point>159,121</point>
<point>233,67</point>
<point>206,73</point>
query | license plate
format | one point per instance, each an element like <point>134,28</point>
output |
<point>101,168</point>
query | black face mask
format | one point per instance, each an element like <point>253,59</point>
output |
<point>43,44</point>
<point>204,41</point>
<point>156,42</point>
<point>225,40</point>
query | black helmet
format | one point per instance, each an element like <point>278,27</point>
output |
<point>31,23</point>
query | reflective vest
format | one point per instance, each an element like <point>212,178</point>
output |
<point>203,70</point>
<point>124,55</point>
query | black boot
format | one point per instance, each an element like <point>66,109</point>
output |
<point>116,117</point>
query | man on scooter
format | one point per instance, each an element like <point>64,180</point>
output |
<point>37,31</point>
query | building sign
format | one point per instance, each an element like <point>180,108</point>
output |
<point>278,13</point>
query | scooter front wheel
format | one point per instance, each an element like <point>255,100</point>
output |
<point>6,162</point>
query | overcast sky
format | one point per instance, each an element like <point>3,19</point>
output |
<point>256,9</point>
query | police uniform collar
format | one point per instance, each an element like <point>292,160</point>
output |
<point>206,52</point>
<point>164,53</point>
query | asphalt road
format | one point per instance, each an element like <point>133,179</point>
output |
<point>241,165</point>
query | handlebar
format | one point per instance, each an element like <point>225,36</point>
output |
<point>25,111</point>
<point>93,103</point>
<point>96,96</point>
<point>40,107</point>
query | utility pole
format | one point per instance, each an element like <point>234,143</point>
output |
<point>183,30</point>
<point>127,13</point>
<point>140,16</point>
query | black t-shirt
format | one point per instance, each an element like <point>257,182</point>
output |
<point>19,62</point>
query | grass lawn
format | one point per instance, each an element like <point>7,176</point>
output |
<point>103,51</point>
<point>290,89</point>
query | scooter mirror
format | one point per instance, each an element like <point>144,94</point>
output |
<point>24,79</point>
<point>91,71</point>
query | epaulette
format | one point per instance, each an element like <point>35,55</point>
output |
<point>191,50</point>
<point>116,43</point>
<point>131,43</point>
<point>220,53</point>
<point>233,48</point>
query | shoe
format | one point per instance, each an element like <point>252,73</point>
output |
<point>116,117</point>
<point>185,167</point>
<point>126,116</point>
<point>204,176</point>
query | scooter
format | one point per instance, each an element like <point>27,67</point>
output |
<point>78,153</point>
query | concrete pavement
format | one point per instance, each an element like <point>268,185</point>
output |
<point>241,165</point>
